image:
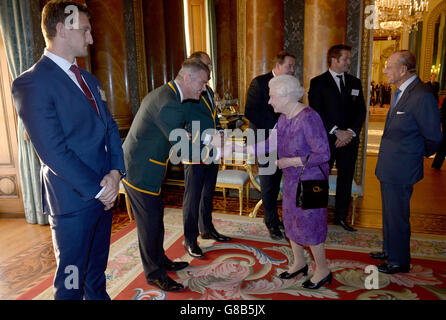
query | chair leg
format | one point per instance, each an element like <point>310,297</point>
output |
<point>240,197</point>
<point>253,214</point>
<point>128,206</point>
<point>354,208</point>
<point>247,197</point>
<point>224,195</point>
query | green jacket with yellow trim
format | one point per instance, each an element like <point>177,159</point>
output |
<point>202,119</point>
<point>147,146</point>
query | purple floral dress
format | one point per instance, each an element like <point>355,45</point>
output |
<point>300,136</point>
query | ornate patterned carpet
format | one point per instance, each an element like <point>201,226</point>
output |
<point>248,267</point>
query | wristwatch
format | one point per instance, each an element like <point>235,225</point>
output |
<point>335,131</point>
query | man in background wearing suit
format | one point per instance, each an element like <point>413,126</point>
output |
<point>65,114</point>
<point>441,152</point>
<point>411,132</point>
<point>146,154</point>
<point>261,115</point>
<point>337,96</point>
<point>200,175</point>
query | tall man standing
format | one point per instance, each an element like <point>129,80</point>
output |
<point>411,132</point>
<point>337,96</point>
<point>146,154</point>
<point>200,175</point>
<point>261,115</point>
<point>65,114</point>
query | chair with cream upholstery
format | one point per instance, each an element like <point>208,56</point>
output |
<point>236,177</point>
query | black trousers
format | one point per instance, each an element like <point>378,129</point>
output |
<point>199,188</point>
<point>396,225</point>
<point>270,188</point>
<point>345,158</point>
<point>149,213</point>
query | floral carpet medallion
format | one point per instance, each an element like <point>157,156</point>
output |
<point>248,267</point>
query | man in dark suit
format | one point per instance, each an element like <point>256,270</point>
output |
<point>434,85</point>
<point>147,150</point>
<point>200,174</point>
<point>337,96</point>
<point>441,153</point>
<point>261,115</point>
<point>64,111</point>
<point>411,132</point>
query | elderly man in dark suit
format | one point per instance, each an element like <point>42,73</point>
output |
<point>261,115</point>
<point>147,149</point>
<point>337,96</point>
<point>64,111</point>
<point>411,132</point>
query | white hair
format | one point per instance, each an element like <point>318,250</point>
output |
<point>286,85</point>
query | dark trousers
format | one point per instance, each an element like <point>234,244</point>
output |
<point>441,153</point>
<point>149,213</point>
<point>270,188</point>
<point>199,187</point>
<point>345,158</point>
<point>81,242</point>
<point>396,225</point>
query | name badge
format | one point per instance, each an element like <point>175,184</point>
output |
<point>102,93</point>
<point>355,92</point>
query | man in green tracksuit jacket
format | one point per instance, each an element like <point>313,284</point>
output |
<point>146,154</point>
<point>200,169</point>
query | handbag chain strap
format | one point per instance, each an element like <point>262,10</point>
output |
<point>305,164</point>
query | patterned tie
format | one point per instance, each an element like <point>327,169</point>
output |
<point>341,81</point>
<point>74,68</point>
<point>395,98</point>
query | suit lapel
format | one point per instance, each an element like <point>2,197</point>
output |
<point>66,80</point>
<point>332,83</point>
<point>96,95</point>
<point>404,97</point>
<point>402,101</point>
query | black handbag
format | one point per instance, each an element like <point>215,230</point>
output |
<point>312,194</point>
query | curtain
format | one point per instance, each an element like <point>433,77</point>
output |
<point>212,41</point>
<point>15,26</point>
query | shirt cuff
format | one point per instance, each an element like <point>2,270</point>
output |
<point>333,129</point>
<point>354,134</point>
<point>100,192</point>
<point>207,139</point>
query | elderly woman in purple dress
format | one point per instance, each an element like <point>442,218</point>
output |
<point>299,133</point>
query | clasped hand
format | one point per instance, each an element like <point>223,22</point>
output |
<point>111,184</point>
<point>344,137</point>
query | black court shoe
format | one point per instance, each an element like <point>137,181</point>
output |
<point>286,275</point>
<point>310,285</point>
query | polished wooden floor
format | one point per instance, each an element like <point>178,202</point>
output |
<point>26,255</point>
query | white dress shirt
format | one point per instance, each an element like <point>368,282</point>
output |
<point>338,83</point>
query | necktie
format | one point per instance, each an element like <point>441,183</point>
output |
<point>395,98</point>
<point>342,85</point>
<point>74,68</point>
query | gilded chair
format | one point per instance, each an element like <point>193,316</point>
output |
<point>127,200</point>
<point>236,177</point>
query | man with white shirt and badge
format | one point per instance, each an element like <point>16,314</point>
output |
<point>65,114</point>
<point>411,132</point>
<point>338,98</point>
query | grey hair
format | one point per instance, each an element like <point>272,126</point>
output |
<point>190,66</point>
<point>285,85</point>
